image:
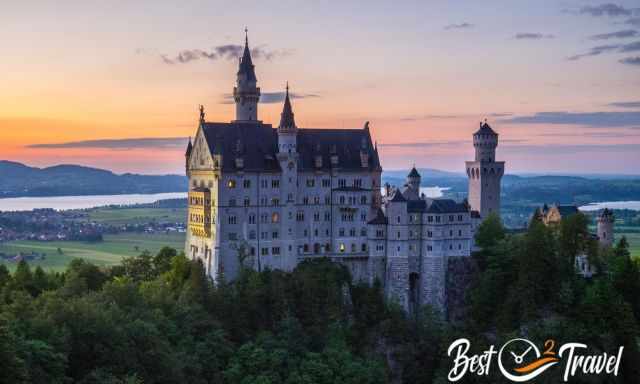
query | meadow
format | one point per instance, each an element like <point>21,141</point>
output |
<point>634,242</point>
<point>121,216</point>
<point>108,252</point>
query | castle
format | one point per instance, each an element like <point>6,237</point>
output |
<point>553,215</point>
<point>271,197</point>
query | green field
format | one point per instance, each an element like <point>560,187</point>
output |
<point>108,252</point>
<point>121,216</point>
<point>634,242</point>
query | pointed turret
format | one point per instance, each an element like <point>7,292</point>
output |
<point>246,93</point>
<point>187,154</point>
<point>246,65</point>
<point>287,121</point>
<point>287,130</point>
<point>189,148</point>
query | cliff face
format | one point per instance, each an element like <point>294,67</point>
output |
<point>462,273</point>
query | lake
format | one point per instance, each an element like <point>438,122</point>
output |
<point>82,202</point>
<point>634,205</point>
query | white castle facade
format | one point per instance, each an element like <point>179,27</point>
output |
<point>271,197</point>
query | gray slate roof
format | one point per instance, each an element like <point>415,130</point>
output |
<point>380,218</point>
<point>485,129</point>
<point>416,206</point>
<point>257,144</point>
<point>447,206</point>
<point>414,173</point>
<point>246,65</point>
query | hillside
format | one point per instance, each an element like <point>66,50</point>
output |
<point>18,180</point>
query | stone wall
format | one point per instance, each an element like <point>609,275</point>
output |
<point>462,272</point>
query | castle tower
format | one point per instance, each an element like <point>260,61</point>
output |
<point>605,228</point>
<point>413,185</point>
<point>485,173</point>
<point>246,93</point>
<point>288,158</point>
<point>397,269</point>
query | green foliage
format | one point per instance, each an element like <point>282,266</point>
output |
<point>490,232</point>
<point>160,319</point>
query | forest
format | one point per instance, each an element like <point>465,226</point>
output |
<point>156,318</point>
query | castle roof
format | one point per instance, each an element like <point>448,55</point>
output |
<point>246,65</point>
<point>414,173</point>
<point>397,197</point>
<point>416,206</point>
<point>260,146</point>
<point>485,129</point>
<point>380,218</point>
<point>286,117</point>
<point>189,149</point>
<point>446,206</point>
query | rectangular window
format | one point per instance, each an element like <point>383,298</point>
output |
<point>264,251</point>
<point>233,220</point>
<point>311,183</point>
<point>275,183</point>
<point>326,183</point>
<point>275,250</point>
<point>246,183</point>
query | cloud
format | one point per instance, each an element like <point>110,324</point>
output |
<point>600,135</point>
<point>555,149</point>
<point>434,144</point>
<point>607,9</point>
<point>271,97</point>
<point>630,60</point>
<point>135,143</point>
<point>625,104</point>
<point>222,52</point>
<point>588,119</point>
<point>615,35</point>
<point>533,36</point>
<point>459,26</point>
<point>453,116</point>
<point>635,21</point>
<point>595,51</point>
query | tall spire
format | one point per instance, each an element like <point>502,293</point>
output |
<point>287,122</point>
<point>246,93</point>
<point>246,65</point>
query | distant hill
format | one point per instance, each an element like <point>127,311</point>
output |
<point>18,180</point>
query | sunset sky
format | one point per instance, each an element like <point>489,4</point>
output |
<point>117,84</point>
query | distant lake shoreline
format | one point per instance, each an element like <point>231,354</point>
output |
<point>83,202</point>
<point>632,205</point>
<point>92,201</point>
